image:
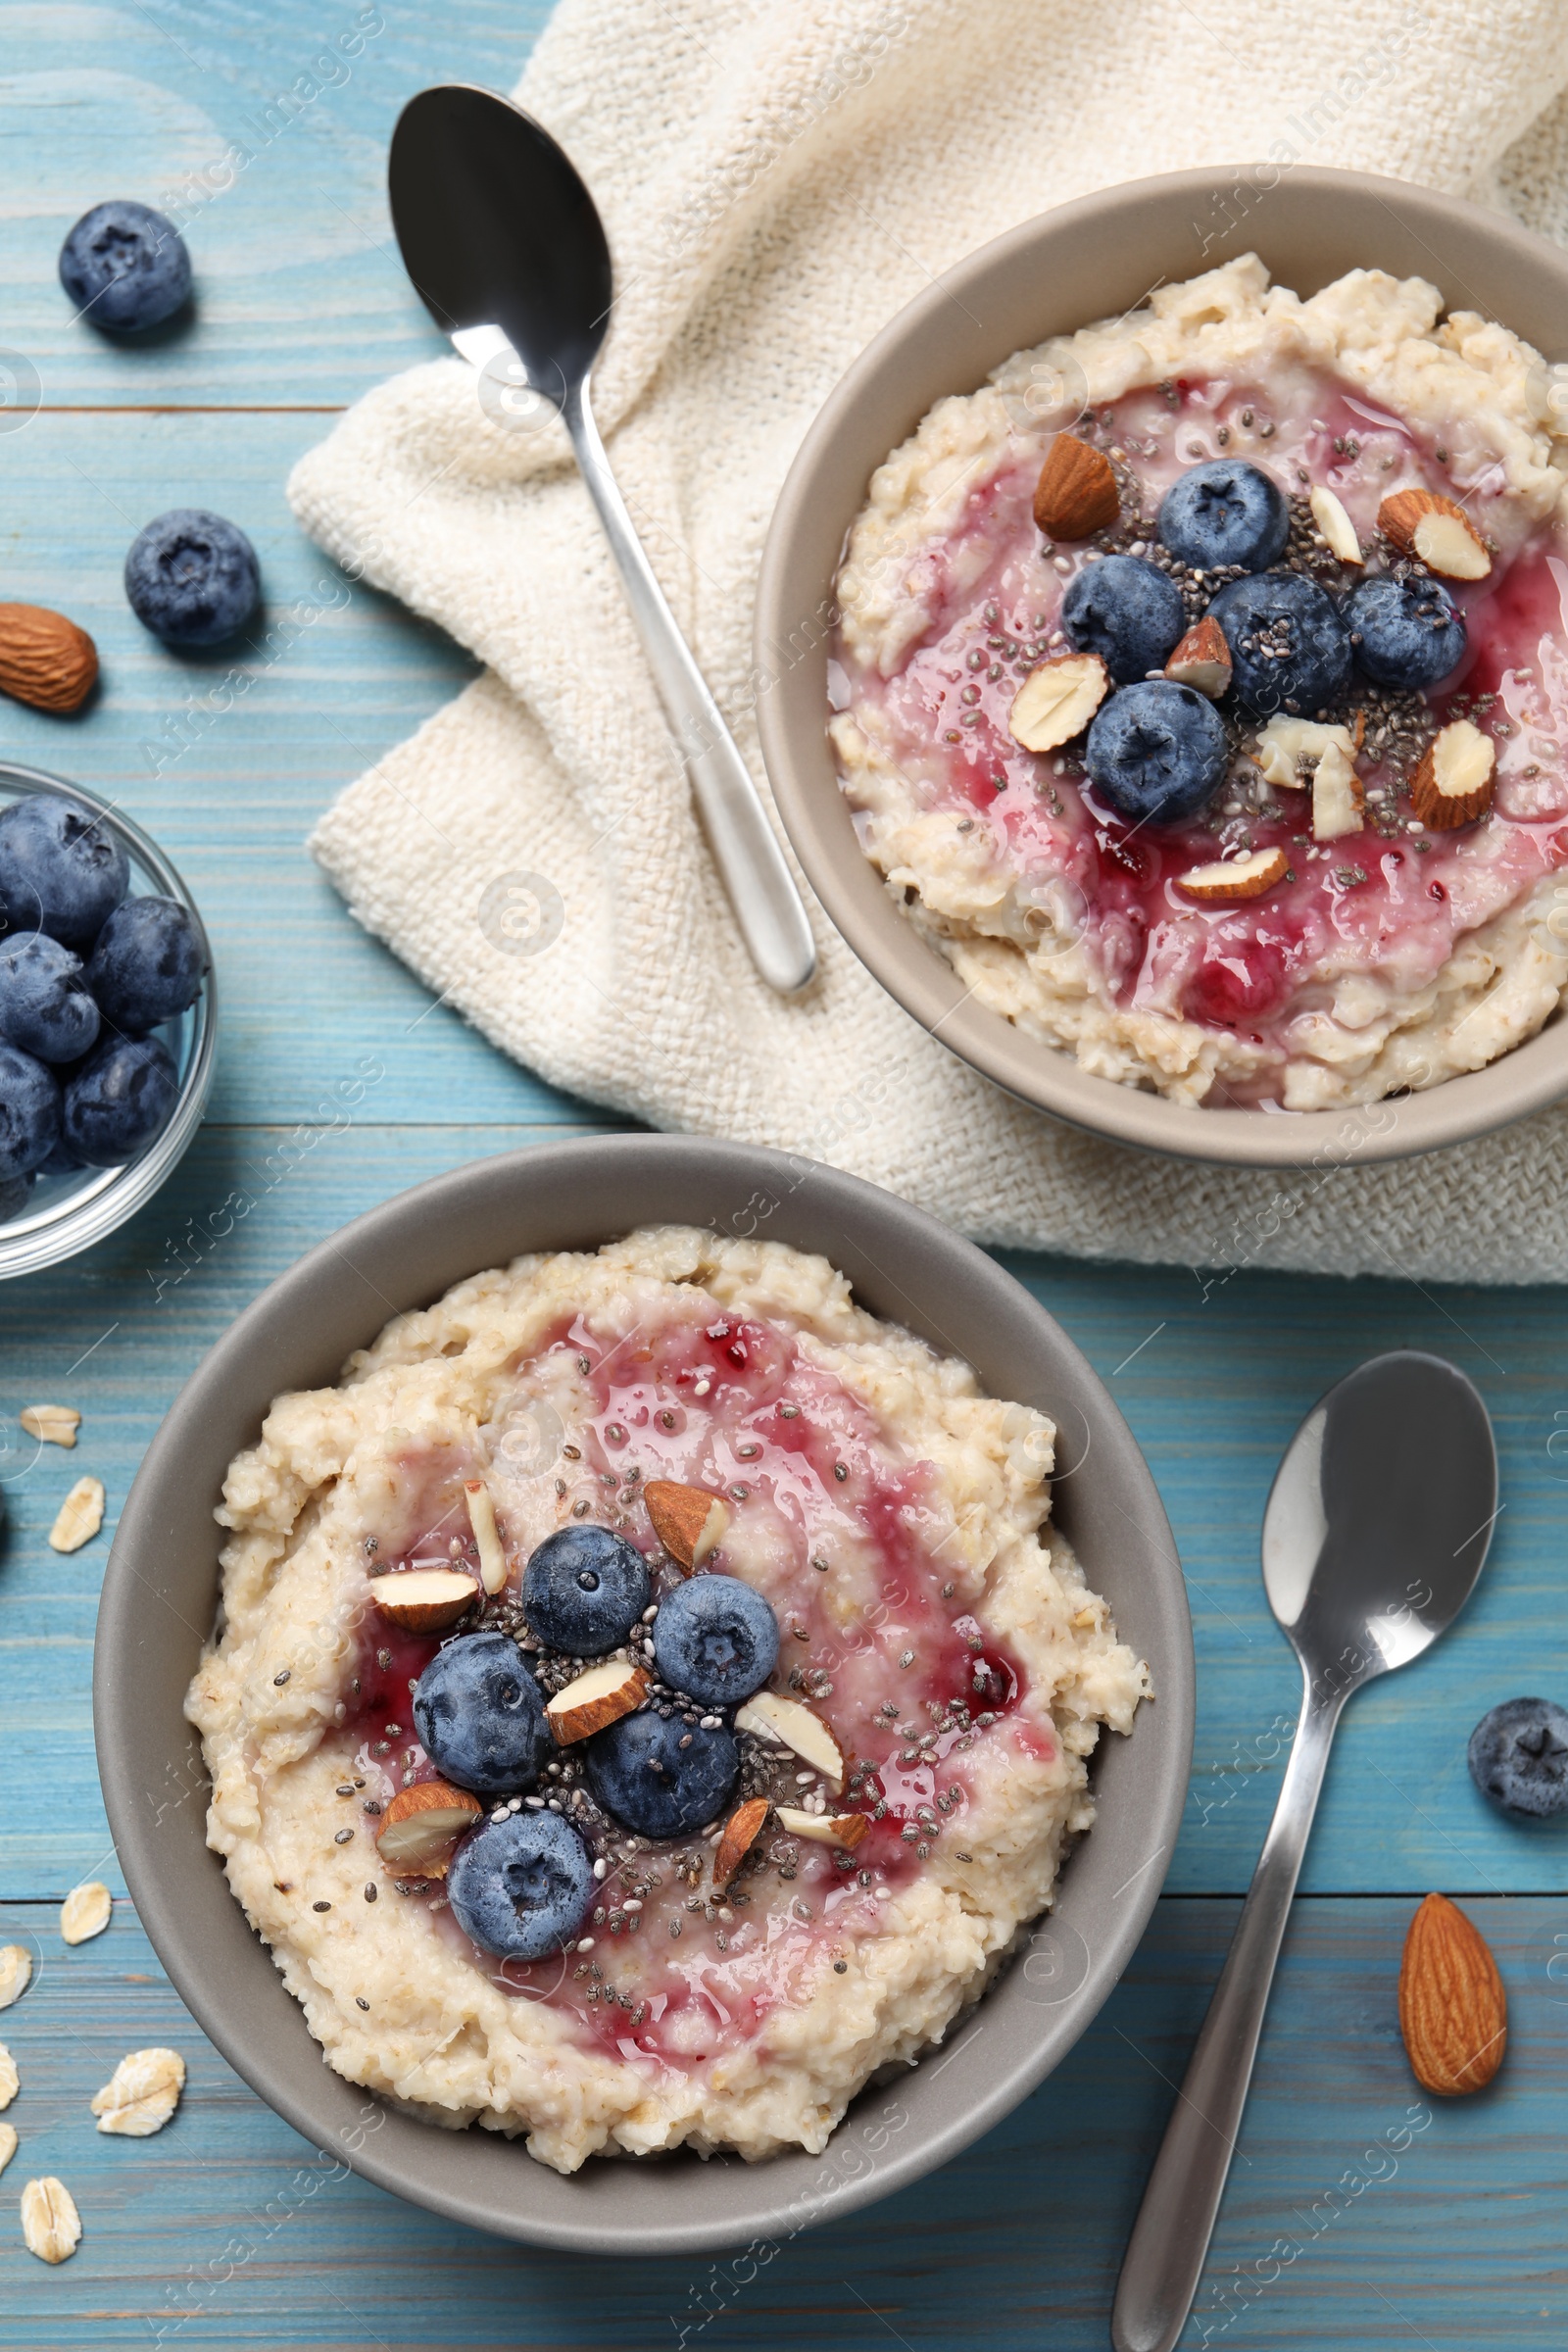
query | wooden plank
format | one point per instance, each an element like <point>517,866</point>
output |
<point>209,113</point>
<point>1359,2213</point>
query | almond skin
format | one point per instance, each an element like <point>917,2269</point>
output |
<point>687,1520</point>
<point>740,1836</point>
<point>1076,493</point>
<point>1453,2012</point>
<point>1202,659</point>
<point>600,1695</point>
<point>45,660</point>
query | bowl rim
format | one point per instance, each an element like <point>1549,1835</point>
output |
<point>100,1209</point>
<point>795,607</point>
<point>349,1285</point>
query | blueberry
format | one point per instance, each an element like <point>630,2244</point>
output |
<point>29,1114</point>
<point>640,1775</point>
<point>479,1715</point>
<point>715,1638</point>
<point>192,577</point>
<point>44,1005</point>
<point>1158,752</point>
<point>583,1589</point>
<point>1127,613</point>
<point>1290,644</point>
<point>61,869</point>
<point>147,964</point>
<point>126,266</point>
<point>122,1097</point>
<point>1410,634</point>
<point>13,1200</point>
<point>519,1886</point>
<point>1519,1757</point>
<point>1225,513</point>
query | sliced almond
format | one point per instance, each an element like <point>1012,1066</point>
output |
<point>85,1912</point>
<point>1057,700</point>
<point>9,2079</point>
<point>54,1424</point>
<point>421,1827</point>
<point>1440,535</point>
<point>741,1833</point>
<point>1454,781</point>
<point>8,2144</point>
<point>1335,525</point>
<point>822,1829</point>
<point>1337,798</point>
<point>800,1727</point>
<point>50,2221</point>
<point>79,1516</point>
<point>486,1534</point>
<point>1076,493</point>
<point>1225,884</point>
<point>1288,744</point>
<point>600,1695</point>
<point>425,1600</point>
<point>141,2095</point>
<point>16,1972</point>
<point>1202,659</point>
<point>687,1520</point>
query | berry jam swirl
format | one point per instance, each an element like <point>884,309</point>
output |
<point>1391,899</point>
<point>842,1535</point>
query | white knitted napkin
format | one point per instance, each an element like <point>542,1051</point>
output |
<point>778,179</point>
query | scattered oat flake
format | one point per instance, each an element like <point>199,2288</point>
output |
<point>8,2144</point>
<point>142,2094</point>
<point>16,1972</point>
<point>50,2221</point>
<point>85,1912</point>
<point>9,2079</point>
<point>80,1516</point>
<point>54,1424</point>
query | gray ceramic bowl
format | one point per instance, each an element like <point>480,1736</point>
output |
<point>158,1602</point>
<point>1093,260</point>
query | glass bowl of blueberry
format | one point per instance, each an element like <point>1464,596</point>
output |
<point>108,1019</point>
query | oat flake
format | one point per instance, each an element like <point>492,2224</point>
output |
<point>142,2094</point>
<point>85,1912</point>
<point>8,2144</point>
<point>50,2221</point>
<point>16,1972</point>
<point>80,1517</point>
<point>10,2081</point>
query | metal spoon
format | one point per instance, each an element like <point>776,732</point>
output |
<point>1377,1526</point>
<point>506,249</point>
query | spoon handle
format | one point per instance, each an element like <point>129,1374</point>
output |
<point>1169,2243</point>
<point>762,890</point>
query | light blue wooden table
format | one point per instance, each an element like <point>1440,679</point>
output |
<point>1358,2215</point>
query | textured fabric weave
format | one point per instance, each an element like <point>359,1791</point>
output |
<point>776,180</point>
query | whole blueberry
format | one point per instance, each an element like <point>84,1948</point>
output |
<point>715,1638</point>
<point>519,1886</point>
<point>61,869</point>
<point>192,577</point>
<point>1226,511</point>
<point>643,1777</point>
<point>45,1007</point>
<point>1127,613</point>
<point>479,1715</point>
<point>126,266</point>
<point>584,1589</point>
<point>1409,633</point>
<point>147,965</point>
<point>121,1098</point>
<point>1156,751</point>
<point>1518,1756</point>
<point>1289,646</point>
<point>29,1114</point>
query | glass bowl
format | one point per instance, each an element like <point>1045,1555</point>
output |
<point>65,1214</point>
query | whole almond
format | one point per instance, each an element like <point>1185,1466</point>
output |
<point>45,660</point>
<point>1076,493</point>
<point>1453,2012</point>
